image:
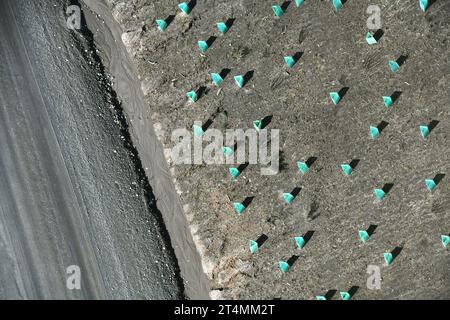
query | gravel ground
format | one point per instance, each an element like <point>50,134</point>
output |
<point>334,206</point>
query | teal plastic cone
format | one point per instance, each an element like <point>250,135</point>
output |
<point>345,295</point>
<point>423,5</point>
<point>216,79</point>
<point>347,169</point>
<point>394,66</point>
<point>184,7</point>
<point>257,124</point>
<point>222,27</point>
<point>303,167</point>
<point>192,95</point>
<point>388,258</point>
<point>337,4</point>
<point>363,235</point>
<point>288,198</point>
<point>253,246</point>
<point>374,132</point>
<point>321,298</point>
<point>203,46</point>
<point>239,207</point>
<point>388,101</point>
<point>290,61</point>
<point>300,242</point>
<point>162,24</point>
<point>445,239</point>
<point>198,131</point>
<point>430,184</point>
<point>227,151</point>
<point>298,3</point>
<point>239,81</point>
<point>335,97</point>
<point>277,10</point>
<point>379,193</point>
<point>234,172</point>
<point>284,266</point>
<point>424,131</point>
<point>370,38</point>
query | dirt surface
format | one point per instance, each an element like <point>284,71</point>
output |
<point>334,206</point>
<point>107,36</point>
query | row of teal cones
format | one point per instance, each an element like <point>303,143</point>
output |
<point>198,132</point>
<point>289,197</point>
<point>203,45</point>
<point>300,242</point>
<point>424,131</point>
<point>345,295</point>
<point>363,236</point>
<point>163,24</point>
<point>186,9</point>
<point>347,169</point>
<point>239,80</point>
<point>221,27</point>
<point>337,5</point>
<point>217,80</point>
<point>258,125</point>
<point>335,97</point>
<point>387,100</point>
<point>278,11</point>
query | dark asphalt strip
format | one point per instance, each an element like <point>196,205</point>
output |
<point>68,190</point>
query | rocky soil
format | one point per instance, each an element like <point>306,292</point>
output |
<point>334,55</point>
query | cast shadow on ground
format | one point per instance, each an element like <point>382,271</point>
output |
<point>311,161</point>
<point>248,76</point>
<point>292,260</point>
<point>352,291</point>
<point>402,59</point>
<point>354,163</point>
<point>229,23</point>
<point>307,236</point>
<point>207,124</point>
<point>285,5</point>
<point>438,178</point>
<point>431,2</point>
<point>266,121</point>
<point>378,34</point>
<point>343,92</point>
<point>395,96</point>
<point>297,56</point>
<point>242,167</point>
<point>192,4</point>
<point>169,19</point>
<point>224,72</point>
<point>247,201</point>
<point>201,92</point>
<point>396,252</point>
<point>210,41</point>
<point>296,191</point>
<point>382,126</point>
<point>432,125</point>
<point>387,187</point>
<point>262,238</point>
<point>371,229</point>
<point>330,294</point>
